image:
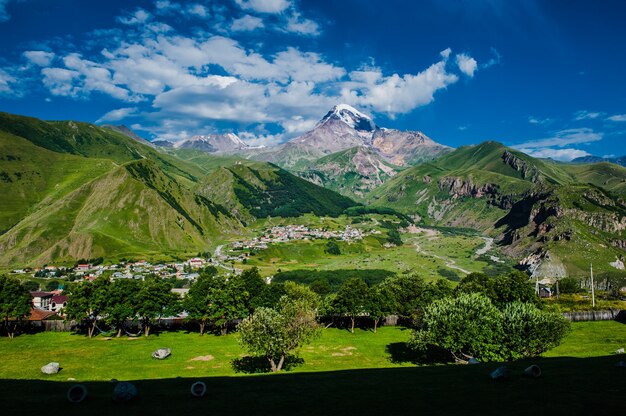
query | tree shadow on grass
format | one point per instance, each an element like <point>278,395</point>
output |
<point>258,365</point>
<point>402,353</point>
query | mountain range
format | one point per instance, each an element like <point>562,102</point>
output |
<point>77,190</point>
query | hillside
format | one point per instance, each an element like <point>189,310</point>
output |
<point>257,190</point>
<point>558,217</point>
<point>353,172</point>
<point>76,190</point>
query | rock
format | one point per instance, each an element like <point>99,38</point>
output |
<point>473,361</point>
<point>51,368</point>
<point>77,393</point>
<point>124,392</point>
<point>198,389</point>
<point>619,351</point>
<point>500,373</point>
<point>162,353</point>
<point>533,371</point>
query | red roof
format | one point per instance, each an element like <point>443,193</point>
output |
<point>40,294</point>
<point>37,314</point>
<point>59,299</point>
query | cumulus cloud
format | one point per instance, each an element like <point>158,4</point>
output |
<point>466,64</point>
<point>617,117</point>
<point>586,115</point>
<point>261,140</point>
<point>264,6</point>
<point>5,82</point>
<point>39,58</point>
<point>297,24</point>
<point>247,23</point>
<point>117,115</point>
<point>137,17</point>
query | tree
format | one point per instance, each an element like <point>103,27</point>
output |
<point>380,304</point>
<point>332,248</point>
<point>31,285</point>
<point>529,332</point>
<point>274,333</point>
<point>87,301</point>
<point>500,289</point>
<point>51,285</point>
<point>466,326</point>
<point>351,299</point>
<point>253,285</point>
<point>15,303</point>
<point>154,300</point>
<point>321,287</point>
<point>569,285</point>
<point>121,303</point>
<point>227,301</point>
<point>196,302</point>
<point>410,295</point>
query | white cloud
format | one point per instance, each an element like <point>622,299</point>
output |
<point>264,6</point>
<point>617,117</point>
<point>247,23</point>
<point>255,140</point>
<point>586,115</point>
<point>466,64</point>
<point>540,121</point>
<point>445,54</point>
<point>397,94</point>
<point>495,60</point>
<point>119,114</point>
<point>60,81</point>
<point>4,15</point>
<point>138,17</point>
<point>198,10</point>
<point>39,58</point>
<point>5,81</point>
<point>558,146</point>
<point>297,24</point>
<point>564,138</point>
<point>564,155</point>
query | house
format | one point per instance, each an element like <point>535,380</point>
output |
<point>41,300</point>
<point>196,262</point>
<point>83,267</point>
<point>37,314</point>
<point>58,303</point>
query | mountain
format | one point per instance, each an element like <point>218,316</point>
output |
<point>213,143</point>
<point>353,172</point>
<point>256,190</point>
<point>597,159</point>
<point>127,132</point>
<point>557,218</point>
<point>75,190</point>
<point>344,127</point>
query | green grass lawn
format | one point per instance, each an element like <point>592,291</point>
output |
<point>341,374</point>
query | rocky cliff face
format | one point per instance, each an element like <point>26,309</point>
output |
<point>528,171</point>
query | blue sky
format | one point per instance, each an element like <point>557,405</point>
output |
<point>544,76</point>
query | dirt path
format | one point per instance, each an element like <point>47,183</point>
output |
<point>448,262</point>
<point>486,248</point>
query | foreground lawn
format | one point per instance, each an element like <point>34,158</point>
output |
<point>126,358</point>
<point>341,374</point>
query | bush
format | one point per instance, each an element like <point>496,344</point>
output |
<point>471,326</point>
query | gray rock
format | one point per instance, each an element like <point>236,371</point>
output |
<point>124,392</point>
<point>500,373</point>
<point>51,368</point>
<point>473,361</point>
<point>162,353</point>
<point>534,371</point>
<point>619,351</point>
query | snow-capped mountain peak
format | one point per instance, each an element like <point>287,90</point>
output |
<point>350,116</point>
<point>212,143</point>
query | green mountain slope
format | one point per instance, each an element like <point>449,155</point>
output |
<point>256,190</point>
<point>74,190</point>
<point>557,217</point>
<point>353,172</point>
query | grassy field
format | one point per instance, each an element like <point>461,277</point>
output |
<point>433,255</point>
<point>341,374</point>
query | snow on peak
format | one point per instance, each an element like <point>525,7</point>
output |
<point>350,116</point>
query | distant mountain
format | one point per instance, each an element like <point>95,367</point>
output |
<point>128,132</point>
<point>353,172</point>
<point>597,159</point>
<point>213,143</point>
<point>557,217</point>
<point>344,127</point>
<point>75,190</point>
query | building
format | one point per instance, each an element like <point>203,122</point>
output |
<point>41,300</point>
<point>58,303</point>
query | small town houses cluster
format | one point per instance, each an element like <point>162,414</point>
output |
<point>47,304</point>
